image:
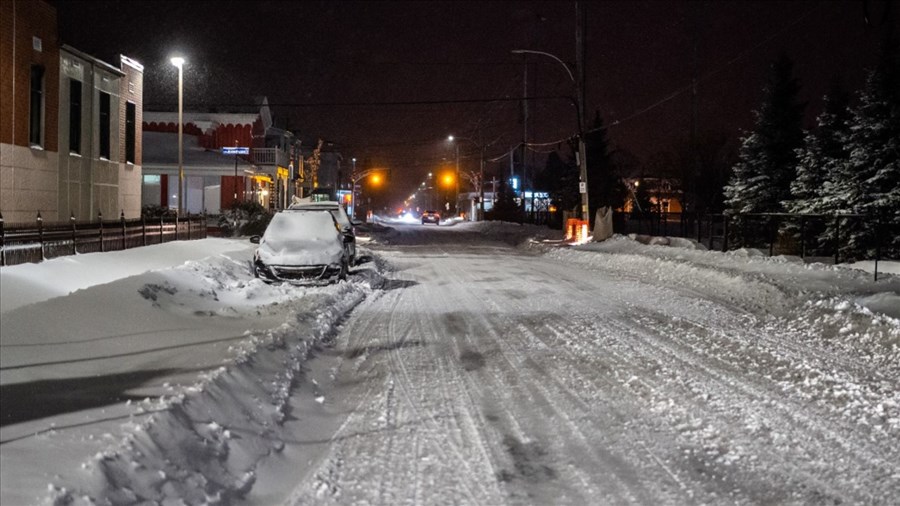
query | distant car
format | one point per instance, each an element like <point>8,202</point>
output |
<point>340,215</point>
<point>431,217</point>
<point>301,246</point>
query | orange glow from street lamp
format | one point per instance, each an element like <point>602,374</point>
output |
<point>376,179</point>
<point>448,179</point>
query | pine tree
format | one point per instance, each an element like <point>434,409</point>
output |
<point>600,177</point>
<point>873,182</point>
<point>822,159</point>
<point>767,163</point>
<point>821,168</point>
<point>560,179</point>
<point>760,181</point>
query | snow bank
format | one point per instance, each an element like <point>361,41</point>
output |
<point>212,351</point>
<point>843,309</point>
<point>29,283</point>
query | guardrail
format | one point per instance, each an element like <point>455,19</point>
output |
<point>27,243</point>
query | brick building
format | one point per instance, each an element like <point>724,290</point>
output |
<point>70,141</point>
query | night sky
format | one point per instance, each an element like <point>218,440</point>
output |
<point>338,70</point>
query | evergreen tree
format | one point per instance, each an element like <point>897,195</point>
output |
<point>601,176</point>
<point>821,168</point>
<point>560,179</point>
<point>822,159</point>
<point>873,182</point>
<point>505,206</point>
<point>767,162</point>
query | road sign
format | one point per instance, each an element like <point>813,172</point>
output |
<point>582,187</point>
<point>235,150</point>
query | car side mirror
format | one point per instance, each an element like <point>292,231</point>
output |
<point>254,239</point>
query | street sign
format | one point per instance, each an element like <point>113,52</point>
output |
<point>235,150</point>
<point>582,187</point>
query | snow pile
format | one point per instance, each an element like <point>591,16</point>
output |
<point>29,283</point>
<point>201,355</point>
<point>203,445</point>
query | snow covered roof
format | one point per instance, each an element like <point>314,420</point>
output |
<point>161,149</point>
<point>204,120</point>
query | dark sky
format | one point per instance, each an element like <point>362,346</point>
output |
<point>330,67</point>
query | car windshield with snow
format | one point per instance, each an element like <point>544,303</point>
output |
<point>300,246</point>
<point>340,216</point>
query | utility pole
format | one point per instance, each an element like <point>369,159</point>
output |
<point>524,137</point>
<point>579,85</point>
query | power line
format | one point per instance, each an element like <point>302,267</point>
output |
<point>363,104</point>
<point>688,87</point>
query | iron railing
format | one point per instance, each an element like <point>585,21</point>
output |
<point>828,237</point>
<point>32,243</point>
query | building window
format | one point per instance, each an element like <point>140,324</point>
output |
<point>74,116</point>
<point>130,131</point>
<point>36,118</point>
<point>104,126</point>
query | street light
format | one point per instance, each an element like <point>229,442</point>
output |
<point>355,177</point>
<point>179,62</point>
<point>579,103</point>
<point>456,203</point>
<point>479,187</point>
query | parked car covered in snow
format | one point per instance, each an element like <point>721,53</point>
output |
<point>340,215</point>
<point>301,246</point>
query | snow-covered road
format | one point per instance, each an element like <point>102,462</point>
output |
<point>484,374</point>
<point>468,364</point>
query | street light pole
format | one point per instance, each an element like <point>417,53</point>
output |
<point>179,62</point>
<point>578,101</point>
<point>456,204</point>
<point>353,190</point>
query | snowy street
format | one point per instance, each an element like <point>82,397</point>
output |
<point>468,364</point>
<point>489,375</point>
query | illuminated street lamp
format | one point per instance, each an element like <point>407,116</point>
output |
<point>579,112</point>
<point>179,62</point>
<point>456,202</point>
<point>376,179</point>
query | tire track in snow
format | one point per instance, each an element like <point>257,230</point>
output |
<point>604,464</point>
<point>398,365</point>
<point>733,373</point>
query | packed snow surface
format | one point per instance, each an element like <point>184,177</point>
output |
<point>484,363</point>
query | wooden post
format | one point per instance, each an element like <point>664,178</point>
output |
<point>124,231</point>
<point>143,229</point>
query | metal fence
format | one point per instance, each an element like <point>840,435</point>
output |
<point>829,237</point>
<point>24,243</point>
